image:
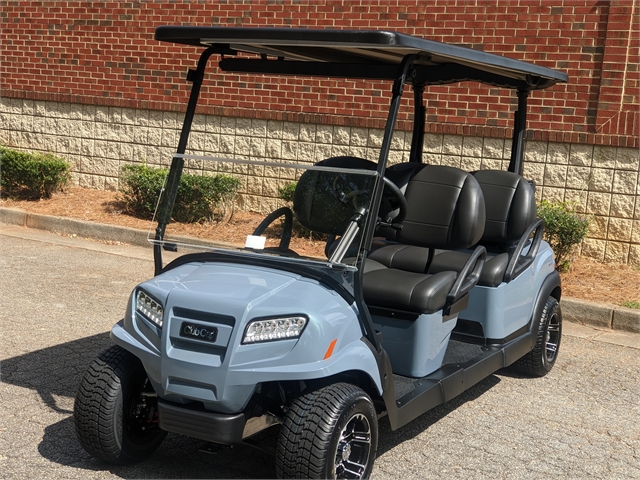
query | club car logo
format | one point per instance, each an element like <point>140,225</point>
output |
<point>190,330</point>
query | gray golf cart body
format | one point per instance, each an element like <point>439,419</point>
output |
<point>218,379</point>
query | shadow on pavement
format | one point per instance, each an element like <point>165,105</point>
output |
<point>56,372</point>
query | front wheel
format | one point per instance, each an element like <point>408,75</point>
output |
<point>115,412</point>
<point>328,433</point>
<point>539,361</point>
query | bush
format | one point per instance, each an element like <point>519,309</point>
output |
<point>199,198</point>
<point>563,229</point>
<point>31,175</point>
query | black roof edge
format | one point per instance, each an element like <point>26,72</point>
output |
<point>340,46</point>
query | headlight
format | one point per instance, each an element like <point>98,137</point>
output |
<point>149,308</point>
<point>268,329</point>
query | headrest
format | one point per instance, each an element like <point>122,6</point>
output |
<point>510,204</point>
<point>445,209</point>
<point>326,202</point>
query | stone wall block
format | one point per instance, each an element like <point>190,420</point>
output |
<point>289,150</point>
<point>88,129</point>
<point>356,151</point>
<point>627,159</point>
<point>552,194</point>
<point>340,150</point>
<point>578,177</point>
<point>581,155</point>
<point>598,203</point>
<point>307,132</point>
<point>601,180</point>
<point>451,161</point>
<point>324,134</point>
<point>535,151</point>
<point>102,114</point>
<point>604,157</point>
<point>493,148</point>
<point>242,147</point>
<point>227,144</point>
<point>634,255</point>
<point>341,135</point>
<point>306,152</point>
<point>598,227</point>
<point>534,171</point>
<point>577,198</point>
<point>555,175</point>
<point>558,153</point>
<point>228,125</point>
<point>258,127</point>
<point>321,152</point>
<point>620,229</point>
<point>470,164</point>
<point>375,137</point>
<point>212,124</point>
<point>625,181</point>
<point>472,146</point>
<point>126,152</point>
<point>635,232</point>
<point>288,130</point>
<point>258,146</point>
<point>593,248</point>
<point>452,145</point>
<point>622,206</point>
<point>359,137</point>
<point>432,143</point>
<point>273,148</point>
<point>616,252</point>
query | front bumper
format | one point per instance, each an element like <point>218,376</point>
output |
<point>225,429</point>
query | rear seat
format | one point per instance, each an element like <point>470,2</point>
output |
<point>510,220</point>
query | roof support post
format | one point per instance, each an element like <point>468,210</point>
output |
<point>367,235</point>
<point>173,180</point>
<point>419,116</point>
<point>519,130</point>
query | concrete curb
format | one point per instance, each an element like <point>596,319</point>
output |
<point>603,315</point>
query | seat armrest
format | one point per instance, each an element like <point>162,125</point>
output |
<point>468,276</point>
<point>517,263</point>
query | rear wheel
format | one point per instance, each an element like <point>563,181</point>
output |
<point>539,361</point>
<point>328,433</point>
<point>115,411</point>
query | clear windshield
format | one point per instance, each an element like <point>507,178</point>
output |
<point>293,212</point>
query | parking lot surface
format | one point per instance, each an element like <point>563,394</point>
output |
<point>59,297</point>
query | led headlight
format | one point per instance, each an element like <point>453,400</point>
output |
<point>149,308</point>
<point>268,329</point>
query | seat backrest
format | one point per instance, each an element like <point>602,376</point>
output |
<point>446,209</point>
<point>510,207</point>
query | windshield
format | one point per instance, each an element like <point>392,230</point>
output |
<point>307,213</point>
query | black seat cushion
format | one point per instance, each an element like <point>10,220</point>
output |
<point>402,257</point>
<point>409,291</point>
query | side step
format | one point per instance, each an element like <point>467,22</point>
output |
<point>453,379</point>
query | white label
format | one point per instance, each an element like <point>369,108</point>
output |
<point>255,242</point>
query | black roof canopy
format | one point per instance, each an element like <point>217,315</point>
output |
<point>358,54</point>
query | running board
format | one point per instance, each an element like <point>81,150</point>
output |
<point>452,380</point>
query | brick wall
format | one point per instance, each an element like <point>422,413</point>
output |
<point>103,53</point>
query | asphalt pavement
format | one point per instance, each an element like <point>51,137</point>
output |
<point>60,295</point>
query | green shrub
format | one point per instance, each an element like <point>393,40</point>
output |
<point>199,198</point>
<point>286,192</point>
<point>563,229</point>
<point>31,175</point>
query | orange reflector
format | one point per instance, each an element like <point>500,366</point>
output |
<point>330,349</point>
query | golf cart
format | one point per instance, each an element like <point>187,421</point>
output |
<point>432,278</point>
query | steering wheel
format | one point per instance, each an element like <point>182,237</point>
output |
<point>392,199</point>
